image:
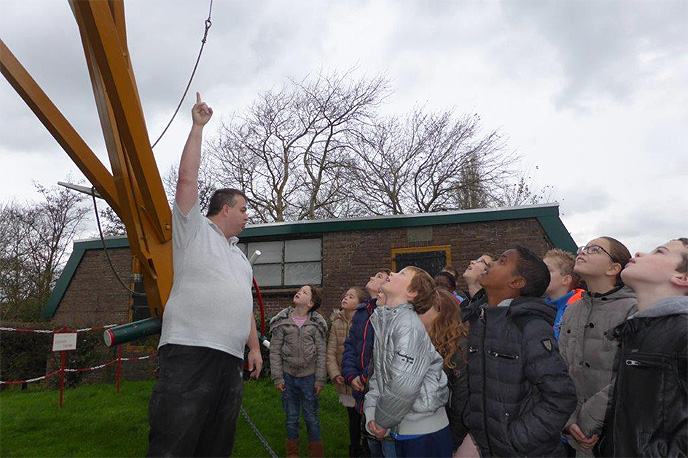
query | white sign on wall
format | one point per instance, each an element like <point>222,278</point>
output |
<point>63,342</point>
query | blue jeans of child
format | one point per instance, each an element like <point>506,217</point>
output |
<point>382,448</point>
<point>299,395</point>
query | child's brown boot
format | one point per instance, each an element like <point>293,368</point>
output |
<point>316,450</point>
<point>293,448</point>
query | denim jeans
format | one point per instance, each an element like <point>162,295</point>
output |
<point>382,448</point>
<point>299,395</point>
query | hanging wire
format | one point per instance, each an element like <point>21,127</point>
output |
<point>107,254</point>
<point>208,24</point>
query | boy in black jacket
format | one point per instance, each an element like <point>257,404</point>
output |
<point>649,414</point>
<point>520,392</point>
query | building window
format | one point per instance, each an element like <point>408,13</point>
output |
<point>286,262</point>
<point>432,259</point>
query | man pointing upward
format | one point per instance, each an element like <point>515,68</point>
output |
<point>208,318</point>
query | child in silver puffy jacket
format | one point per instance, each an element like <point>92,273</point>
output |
<point>408,389</point>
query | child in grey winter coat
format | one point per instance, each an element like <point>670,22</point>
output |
<point>297,365</point>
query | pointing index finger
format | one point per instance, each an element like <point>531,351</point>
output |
<point>198,97</point>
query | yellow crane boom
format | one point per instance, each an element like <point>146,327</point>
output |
<point>133,189</point>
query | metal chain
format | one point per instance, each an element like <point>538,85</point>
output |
<point>208,24</point>
<point>261,438</point>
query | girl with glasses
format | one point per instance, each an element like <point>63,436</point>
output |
<point>584,337</point>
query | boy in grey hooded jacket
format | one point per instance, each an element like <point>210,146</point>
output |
<point>408,389</point>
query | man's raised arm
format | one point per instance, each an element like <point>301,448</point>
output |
<point>187,181</point>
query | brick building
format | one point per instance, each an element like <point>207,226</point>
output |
<point>333,253</point>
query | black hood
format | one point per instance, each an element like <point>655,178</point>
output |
<point>532,306</point>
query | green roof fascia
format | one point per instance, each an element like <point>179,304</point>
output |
<point>557,233</point>
<point>401,221</point>
<point>72,263</point>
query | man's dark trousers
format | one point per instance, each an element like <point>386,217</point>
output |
<point>195,403</point>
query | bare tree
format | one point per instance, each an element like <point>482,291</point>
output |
<point>289,151</point>
<point>523,191</point>
<point>111,224</point>
<point>36,240</point>
<point>428,162</point>
<point>208,182</point>
<point>318,148</point>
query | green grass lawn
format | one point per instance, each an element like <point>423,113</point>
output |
<point>97,421</point>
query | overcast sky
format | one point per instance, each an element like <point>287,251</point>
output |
<point>592,94</point>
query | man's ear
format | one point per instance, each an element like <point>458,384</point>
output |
<point>517,282</point>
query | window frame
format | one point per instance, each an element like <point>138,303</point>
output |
<point>283,263</point>
<point>420,249</point>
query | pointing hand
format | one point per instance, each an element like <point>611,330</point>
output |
<point>201,113</point>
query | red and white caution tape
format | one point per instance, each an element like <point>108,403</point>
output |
<point>97,328</point>
<point>37,379</point>
<point>81,369</point>
<point>89,369</point>
<point>138,358</point>
<point>57,331</point>
<point>37,331</point>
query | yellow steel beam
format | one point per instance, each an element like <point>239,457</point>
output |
<point>117,10</point>
<point>134,190</point>
<point>58,126</point>
<point>155,256</point>
<point>110,56</point>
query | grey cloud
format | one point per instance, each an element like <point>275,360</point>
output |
<point>645,228</point>
<point>46,42</point>
<point>585,197</point>
<point>600,43</point>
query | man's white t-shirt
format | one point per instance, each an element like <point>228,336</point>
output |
<point>211,303</point>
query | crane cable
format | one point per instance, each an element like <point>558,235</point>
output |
<point>208,24</point>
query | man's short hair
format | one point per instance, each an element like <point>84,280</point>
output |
<point>316,297</point>
<point>683,265</point>
<point>222,197</point>
<point>534,272</point>
<point>564,262</point>
<point>384,270</point>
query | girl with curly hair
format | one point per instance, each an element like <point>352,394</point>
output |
<point>442,319</point>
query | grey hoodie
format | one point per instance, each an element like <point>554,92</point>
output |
<point>665,307</point>
<point>408,389</point>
